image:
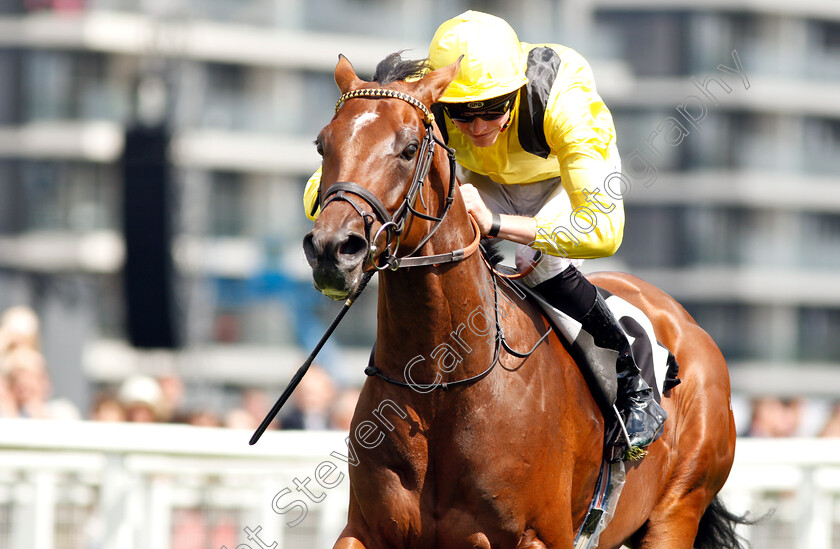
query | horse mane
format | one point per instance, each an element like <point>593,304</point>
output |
<point>490,248</point>
<point>394,68</point>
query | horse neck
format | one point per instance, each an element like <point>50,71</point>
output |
<point>421,307</point>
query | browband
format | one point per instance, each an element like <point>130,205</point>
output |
<point>382,92</point>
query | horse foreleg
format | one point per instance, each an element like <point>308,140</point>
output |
<point>349,538</point>
<point>348,542</point>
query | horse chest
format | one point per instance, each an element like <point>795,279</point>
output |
<point>447,504</point>
<point>469,480</point>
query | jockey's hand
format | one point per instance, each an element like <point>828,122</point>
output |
<point>476,207</point>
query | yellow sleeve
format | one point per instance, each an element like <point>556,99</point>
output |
<point>310,195</point>
<point>580,130</point>
<point>590,222</point>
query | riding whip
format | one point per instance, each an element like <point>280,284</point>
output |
<point>290,388</point>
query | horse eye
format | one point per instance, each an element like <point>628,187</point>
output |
<point>319,147</point>
<point>410,151</point>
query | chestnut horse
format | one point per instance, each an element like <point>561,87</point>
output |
<point>466,455</point>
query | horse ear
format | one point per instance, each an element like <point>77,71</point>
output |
<point>345,76</point>
<point>436,82</point>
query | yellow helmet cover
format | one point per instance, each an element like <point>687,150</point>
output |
<point>493,62</point>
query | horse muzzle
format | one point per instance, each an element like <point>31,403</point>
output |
<point>336,259</point>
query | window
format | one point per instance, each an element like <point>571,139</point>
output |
<point>69,196</point>
<point>228,199</point>
<point>818,329</point>
<point>820,241</point>
<point>654,237</point>
<point>69,85</point>
<point>654,43</point>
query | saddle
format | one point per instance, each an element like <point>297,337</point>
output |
<point>658,365</point>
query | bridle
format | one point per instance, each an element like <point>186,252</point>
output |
<point>393,225</point>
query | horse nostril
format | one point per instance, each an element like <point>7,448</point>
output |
<point>353,248</point>
<point>310,250</point>
<point>344,249</point>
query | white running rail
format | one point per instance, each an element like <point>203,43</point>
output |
<point>85,485</point>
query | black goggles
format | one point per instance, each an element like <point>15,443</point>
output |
<point>486,110</point>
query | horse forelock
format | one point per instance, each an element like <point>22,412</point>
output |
<point>394,69</point>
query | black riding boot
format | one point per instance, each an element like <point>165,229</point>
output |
<point>642,416</point>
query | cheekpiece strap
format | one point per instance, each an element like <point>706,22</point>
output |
<point>382,92</point>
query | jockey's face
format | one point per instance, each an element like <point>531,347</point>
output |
<point>481,132</point>
<point>482,121</point>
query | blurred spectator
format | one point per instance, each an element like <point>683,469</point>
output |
<point>832,426</point>
<point>106,407</point>
<point>227,328</point>
<point>203,418</point>
<point>172,389</point>
<point>8,405</point>
<point>311,402</point>
<point>239,418</point>
<point>250,412</point>
<point>29,385</point>
<point>773,417</point>
<point>19,327</point>
<point>257,403</point>
<point>343,408</point>
<point>142,399</point>
<point>814,412</point>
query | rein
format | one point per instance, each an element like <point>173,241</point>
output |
<point>500,342</point>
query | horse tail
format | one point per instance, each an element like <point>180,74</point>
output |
<point>717,528</point>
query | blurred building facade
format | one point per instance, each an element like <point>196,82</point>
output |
<point>739,218</point>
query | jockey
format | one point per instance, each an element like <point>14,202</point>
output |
<point>537,156</point>
<point>538,163</point>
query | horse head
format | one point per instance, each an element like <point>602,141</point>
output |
<point>376,193</point>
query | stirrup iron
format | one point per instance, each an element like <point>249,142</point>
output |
<point>633,453</point>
